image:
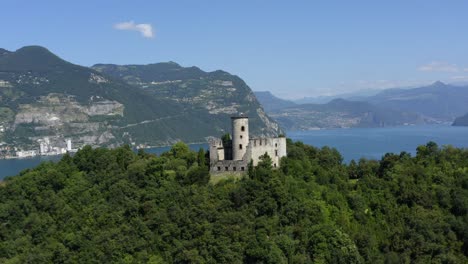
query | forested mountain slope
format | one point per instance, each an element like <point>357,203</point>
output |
<point>41,95</point>
<point>209,96</point>
<point>104,206</point>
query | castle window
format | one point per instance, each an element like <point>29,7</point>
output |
<point>275,165</point>
<point>234,168</point>
<point>260,142</point>
<point>219,168</point>
<point>226,168</point>
<point>242,128</point>
<point>242,168</point>
<point>276,153</point>
<point>255,142</point>
<point>240,136</point>
<point>240,146</point>
<point>276,144</point>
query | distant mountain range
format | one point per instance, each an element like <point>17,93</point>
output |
<point>436,103</point>
<point>42,95</point>
<point>442,102</point>
<point>271,102</point>
<point>360,95</point>
<point>341,113</point>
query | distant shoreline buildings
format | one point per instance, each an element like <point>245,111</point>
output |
<point>47,147</point>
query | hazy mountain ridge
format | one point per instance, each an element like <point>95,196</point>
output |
<point>440,101</point>
<point>271,102</point>
<point>436,103</point>
<point>461,121</point>
<point>360,95</point>
<point>341,113</point>
<point>42,95</point>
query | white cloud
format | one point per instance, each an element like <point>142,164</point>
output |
<point>439,66</point>
<point>146,30</point>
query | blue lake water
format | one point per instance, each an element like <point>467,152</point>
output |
<point>373,143</point>
<point>352,143</point>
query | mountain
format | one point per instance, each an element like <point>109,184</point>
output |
<point>360,95</point>
<point>42,95</point>
<point>271,102</point>
<point>341,113</point>
<point>461,121</point>
<point>442,102</point>
<point>208,96</point>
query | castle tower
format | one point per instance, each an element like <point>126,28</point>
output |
<point>240,136</point>
<point>69,144</point>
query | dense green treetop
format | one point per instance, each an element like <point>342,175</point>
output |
<point>117,206</point>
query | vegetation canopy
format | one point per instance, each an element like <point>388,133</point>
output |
<point>117,206</point>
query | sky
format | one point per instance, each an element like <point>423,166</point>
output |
<point>292,48</point>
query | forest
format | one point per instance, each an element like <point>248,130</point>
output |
<point>120,206</point>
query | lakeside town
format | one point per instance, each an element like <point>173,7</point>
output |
<point>46,147</point>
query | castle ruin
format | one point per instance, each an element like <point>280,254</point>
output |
<point>233,155</point>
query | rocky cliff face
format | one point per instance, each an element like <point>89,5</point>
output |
<point>58,109</point>
<point>60,116</point>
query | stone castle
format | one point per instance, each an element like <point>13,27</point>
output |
<point>233,155</point>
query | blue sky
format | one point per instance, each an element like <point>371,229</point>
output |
<point>292,48</point>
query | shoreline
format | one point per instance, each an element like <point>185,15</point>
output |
<point>72,152</point>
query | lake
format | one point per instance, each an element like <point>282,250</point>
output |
<point>373,143</point>
<point>353,143</point>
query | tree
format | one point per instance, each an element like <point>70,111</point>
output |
<point>197,175</point>
<point>201,158</point>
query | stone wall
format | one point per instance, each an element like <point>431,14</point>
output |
<point>232,166</point>
<point>274,147</point>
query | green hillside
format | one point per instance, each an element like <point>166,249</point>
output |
<point>209,96</point>
<point>115,206</point>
